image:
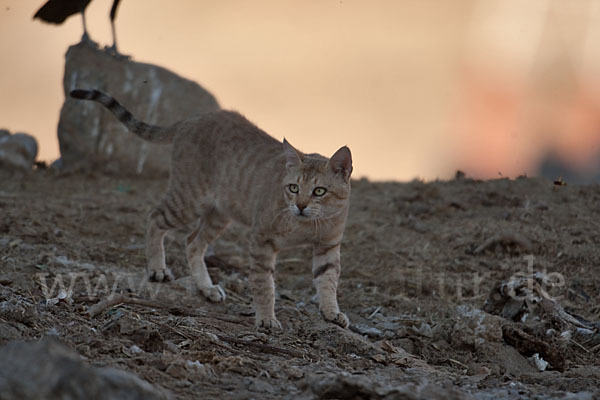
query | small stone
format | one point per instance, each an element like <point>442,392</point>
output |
<point>388,325</point>
<point>177,370</point>
<point>52,332</point>
<point>135,349</point>
<point>367,331</point>
<point>538,362</point>
<point>423,330</point>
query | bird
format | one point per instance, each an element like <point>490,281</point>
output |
<point>57,11</point>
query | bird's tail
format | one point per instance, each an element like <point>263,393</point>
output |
<point>151,133</point>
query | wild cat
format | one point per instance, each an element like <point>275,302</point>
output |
<point>225,168</point>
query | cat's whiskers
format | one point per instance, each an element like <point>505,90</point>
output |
<point>318,224</point>
<point>289,215</point>
<point>326,222</point>
<point>315,223</point>
<point>284,216</point>
<point>335,214</point>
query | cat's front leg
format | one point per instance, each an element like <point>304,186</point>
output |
<point>156,230</point>
<point>326,272</point>
<point>262,267</point>
<point>209,228</point>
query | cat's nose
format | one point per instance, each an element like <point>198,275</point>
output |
<point>301,208</point>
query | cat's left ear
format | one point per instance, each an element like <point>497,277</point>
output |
<point>292,157</point>
<point>341,162</point>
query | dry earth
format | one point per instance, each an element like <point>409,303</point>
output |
<point>419,262</point>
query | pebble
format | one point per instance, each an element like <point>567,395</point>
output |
<point>367,331</point>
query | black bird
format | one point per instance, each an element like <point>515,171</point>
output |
<point>57,11</point>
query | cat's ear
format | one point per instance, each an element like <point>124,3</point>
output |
<point>292,157</point>
<point>341,162</point>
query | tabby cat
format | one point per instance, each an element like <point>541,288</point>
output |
<point>225,168</point>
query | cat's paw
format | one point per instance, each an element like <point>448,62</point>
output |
<point>215,293</point>
<point>270,324</point>
<point>161,275</point>
<point>338,318</point>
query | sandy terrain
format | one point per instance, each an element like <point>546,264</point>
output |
<point>419,262</point>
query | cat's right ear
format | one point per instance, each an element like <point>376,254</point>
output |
<point>341,162</point>
<point>292,157</point>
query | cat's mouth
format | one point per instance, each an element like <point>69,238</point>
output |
<point>303,215</point>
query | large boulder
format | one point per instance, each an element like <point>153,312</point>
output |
<point>90,136</point>
<point>49,370</point>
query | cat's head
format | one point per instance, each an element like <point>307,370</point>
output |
<point>316,187</point>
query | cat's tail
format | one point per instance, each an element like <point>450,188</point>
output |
<point>151,133</point>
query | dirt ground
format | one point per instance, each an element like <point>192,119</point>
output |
<point>419,263</point>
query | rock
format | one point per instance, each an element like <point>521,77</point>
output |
<point>48,369</point>
<point>369,331</point>
<point>474,327</point>
<point>57,164</point>
<point>17,151</point>
<point>343,341</point>
<point>343,386</point>
<point>347,386</point>
<point>16,310</point>
<point>8,332</point>
<point>91,137</point>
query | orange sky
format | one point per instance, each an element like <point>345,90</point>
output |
<point>415,88</point>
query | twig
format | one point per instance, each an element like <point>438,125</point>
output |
<point>177,331</point>
<point>238,298</point>
<point>110,301</point>
<point>595,348</point>
<point>116,299</point>
<point>458,362</point>
<point>580,346</point>
<point>265,348</point>
<point>374,312</point>
<point>214,339</point>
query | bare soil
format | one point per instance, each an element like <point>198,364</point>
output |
<point>419,262</point>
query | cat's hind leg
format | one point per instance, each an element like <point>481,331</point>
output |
<point>210,226</point>
<point>174,212</point>
<point>158,226</point>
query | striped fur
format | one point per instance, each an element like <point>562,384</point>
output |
<point>151,133</point>
<point>223,169</point>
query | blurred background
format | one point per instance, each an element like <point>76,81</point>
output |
<point>416,88</point>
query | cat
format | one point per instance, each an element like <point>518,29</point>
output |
<point>225,168</point>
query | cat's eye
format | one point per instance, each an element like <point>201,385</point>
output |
<point>319,191</point>
<point>294,188</point>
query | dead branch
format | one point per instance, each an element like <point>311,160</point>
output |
<point>529,345</point>
<point>265,348</point>
<point>110,301</point>
<point>116,299</point>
